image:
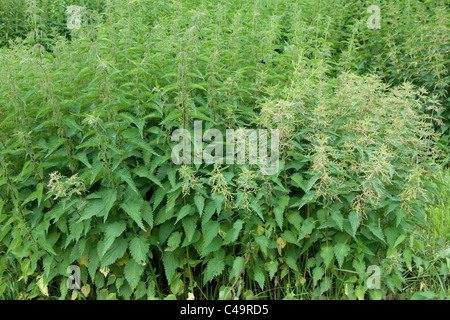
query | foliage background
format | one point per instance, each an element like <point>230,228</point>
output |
<point>86,176</point>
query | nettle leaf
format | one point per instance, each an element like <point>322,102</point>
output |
<point>125,175</point>
<point>170,263</point>
<point>133,209</point>
<point>186,210</point>
<point>158,197</point>
<point>327,255</point>
<point>354,219</point>
<point>190,226</point>
<point>341,250</point>
<point>338,218</point>
<point>94,208</point>
<point>259,278</point>
<point>377,231</point>
<point>210,231</point>
<point>199,203</point>
<point>139,248</point>
<point>307,228</point>
<point>145,173</point>
<point>318,273</point>
<point>109,198</point>
<point>174,241</point>
<point>233,233</point>
<point>147,213</point>
<point>208,213</point>
<point>238,264</point>
<point>133,272</point>
<point>263,243</point>
<point>279,210</point>
<point>213,269</point>
<point>112,231</point>
<point>117,250</point>
<point>309,197</point>
<point>272,268</point>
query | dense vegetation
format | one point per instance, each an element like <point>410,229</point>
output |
<point>86,175</point>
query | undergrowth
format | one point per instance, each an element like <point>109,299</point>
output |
<point>87,179</point>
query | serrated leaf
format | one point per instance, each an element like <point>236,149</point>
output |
<point>338,218</point>
<point>199,203</point>
<point>377,231</point>
<point>272,268</point>
<point>109,198</point>
<point>147,213</point>
<point>260,279</point>
<point>93,208</point>
<point>186,210</point>
<point>133,272</point>
<point>238,264</point>
<point>125,175</point>
<point>307,228</point>
<point>353,217</point>
<point>210,230</point>
<point>318,273</point>
<point>340,251</point>
<point>233,233</point>
<point>327,255</point>
<point>139,248</point>
<point>117,250</point>
<point>189,225</point>
<point>134,211</point>
<point>279,210</point>
<point>170,263</point>
<point>213,269</point>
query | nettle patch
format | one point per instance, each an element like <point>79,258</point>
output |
<point>87,180</point>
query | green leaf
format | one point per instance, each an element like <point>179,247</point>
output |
<point>279,210</point>
<point>139,248</point>
<point>272,268</point>
<point>263,243</point>
<point>213,269</point>
<point>109,198</point>
<point>307,228</point>
<point>309,197</point>
<point>189,225</point>
<point>341,250</point>
<point>117,250</point>
<point>238,264</point>
<point>328,255</point>
<point>133,272</point>
<point>259,278</point>
<point>174,241</point>
<point>377,231</point>
<point>170,263</point>
<point>338,218</point>
<point>210,230</point>
<point>199,203</point>
<point>147,213</point>
<point>292,263</point>
<point>186,210</point>
<point>93,208</point>
<point>318,273</point>
<point>125,175</point>
<point>233,233</point>
<point>353,217</point>
<point>115,229</point>
<point>134,211</point>
<point>425,295</point>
